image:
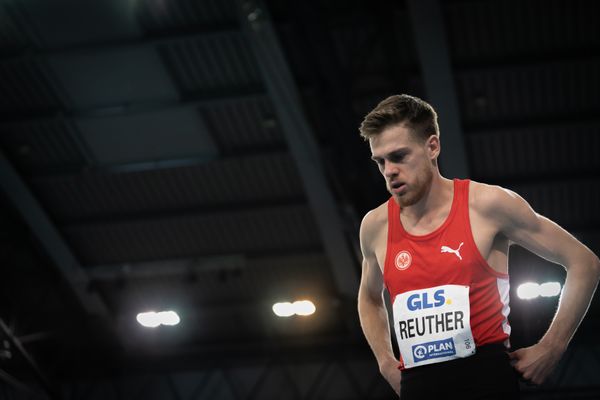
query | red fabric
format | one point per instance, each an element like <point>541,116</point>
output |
<point>431,267</point>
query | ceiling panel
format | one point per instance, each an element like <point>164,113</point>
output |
<point>371,48</point>
<point>159,15</point>
<point>13,34</point>
<point>113,77</point>
<point>477,30</point>
<point>544,91</point>
<point>231,181</point>
<point>214,63</point>
<point>26,85</point>
<point>245,123</point>
<point>39,146</point>
<point>559,149</point>
<point>63,23</point>
<point>572,203</point>
<point>168,134</point>
<point>257,231</point>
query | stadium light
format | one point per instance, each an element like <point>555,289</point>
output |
<point>550,289</point>
<point>153,319</point>
<point>300,307</point>
<point>304,307</point>
<point>528,290</point>
<point>169,318</point>
<point>285,309</point>
<point>532,290</point>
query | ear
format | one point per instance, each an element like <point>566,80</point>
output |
<point>433,147</point>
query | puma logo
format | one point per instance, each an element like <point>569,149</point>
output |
<point>446,249</point>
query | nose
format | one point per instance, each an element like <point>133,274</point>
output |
<point>389,169</point>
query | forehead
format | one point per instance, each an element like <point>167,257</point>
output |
<point>391,139</point>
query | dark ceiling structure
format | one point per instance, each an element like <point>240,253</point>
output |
<point>203,156</point>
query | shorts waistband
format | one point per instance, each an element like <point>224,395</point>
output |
<point>483,352</point>
<point>491,348</point>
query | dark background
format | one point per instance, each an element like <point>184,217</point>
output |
<point>203,156</point>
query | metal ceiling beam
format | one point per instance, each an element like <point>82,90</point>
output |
<point>73,171</point>
<point>42,378</point>
<point>301,141</point>
<point>198,265</point>
<point>40,224</point>
<point>167,268</point>
<point>113,217</point>
<point>430,37</point>
<point>14,382</point>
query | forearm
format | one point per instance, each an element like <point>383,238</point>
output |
<point>580,284</point>
<point>374,322</point>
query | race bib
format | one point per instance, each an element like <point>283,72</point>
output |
<point>433,325</point>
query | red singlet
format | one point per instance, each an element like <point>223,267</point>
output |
<point>445,294</point>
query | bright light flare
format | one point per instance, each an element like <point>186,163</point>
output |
<point>550,289</point>
<point>169,318</point>
<point>304,307</point>
<point>531,290</point>
<point>153,319</point>
<point>528,291</point>
<point>300,307</point>
<point>285,309</point>
<point>148,319</point>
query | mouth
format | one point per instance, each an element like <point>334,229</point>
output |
<point>397,187</point>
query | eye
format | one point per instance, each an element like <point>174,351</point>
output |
<point>398,157</point>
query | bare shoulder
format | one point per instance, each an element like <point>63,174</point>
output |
<point>486,198</point>
<point>371,225</point>
<point>499,204</point>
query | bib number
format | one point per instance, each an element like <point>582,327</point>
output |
<point>433,325</point>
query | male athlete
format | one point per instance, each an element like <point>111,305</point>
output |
<point>440,248</point>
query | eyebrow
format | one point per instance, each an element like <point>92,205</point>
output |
<point>403,151</point>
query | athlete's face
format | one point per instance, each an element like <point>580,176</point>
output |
<point>406,164</point>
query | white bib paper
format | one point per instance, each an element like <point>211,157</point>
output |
<point>433,325</point>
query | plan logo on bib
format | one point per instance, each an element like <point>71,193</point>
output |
<point>435,349</point>
<point>403,260</point>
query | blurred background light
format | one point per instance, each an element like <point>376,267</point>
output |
<point>153,319</point>
<point>304,307</point>
<point>148,319</point>
<point>550,289</point>
<point>299,307</point>
<point>531,290</point>
<point>284,309</point>
<point>528,290</point>
<point>169,318</point>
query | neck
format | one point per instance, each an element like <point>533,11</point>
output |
<point>438,195</point>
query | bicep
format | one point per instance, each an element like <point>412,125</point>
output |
<point>371,281</point>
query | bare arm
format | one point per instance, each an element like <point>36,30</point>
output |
<point>372,310</point>
<point>517,221</point>
<point>373,316</point>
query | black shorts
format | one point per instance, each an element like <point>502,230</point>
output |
<point>487,375</point>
